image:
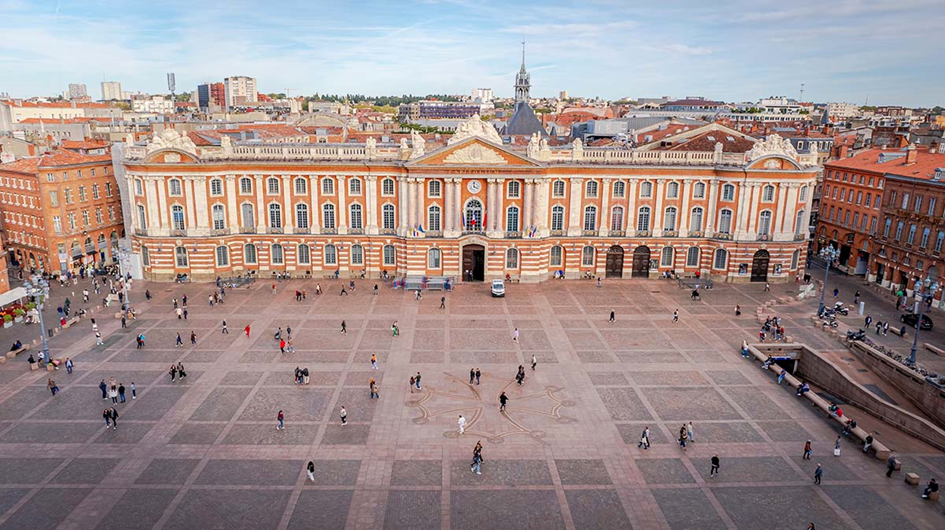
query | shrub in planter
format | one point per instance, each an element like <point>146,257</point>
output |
<point>18,312</point>
<point>30,306</point>
<point>7,321</point>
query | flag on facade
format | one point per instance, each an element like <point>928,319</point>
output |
<point>420,228</point>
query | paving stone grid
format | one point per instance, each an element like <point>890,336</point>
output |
<point>204,451</point>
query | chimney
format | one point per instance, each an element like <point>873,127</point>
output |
<point>842,151</point>
<point>910,155</point>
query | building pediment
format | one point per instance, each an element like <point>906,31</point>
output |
<point>473,152</point>
<point>170,156</point>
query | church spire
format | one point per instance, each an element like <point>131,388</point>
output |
<point>522,81</point>
<point>523,57</point>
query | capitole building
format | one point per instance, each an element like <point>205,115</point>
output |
<point>710,202</point>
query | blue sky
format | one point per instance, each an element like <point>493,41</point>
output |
<point>733,50</point>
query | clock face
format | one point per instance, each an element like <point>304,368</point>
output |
<point>474,186</point>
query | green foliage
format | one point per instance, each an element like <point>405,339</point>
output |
<point>423,129</point>
<point>7,318</point>
<point>380,101</point>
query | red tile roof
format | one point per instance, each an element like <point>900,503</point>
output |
<point>84,144</point>
<point>924,167</point>
<point>53,104</point>
<point>53,159</point>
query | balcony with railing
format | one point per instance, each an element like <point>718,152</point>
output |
<point>247,229</point>
<point>356,231</point>
<point>618,233</point>
<point>220,232</point>
<point>470,231</point>
<point>643,233</point>
<point>513,235</point>
<point>328,230</point>
<point>433,233</point>
<point>722,235</point>
<point>670,233</point>
<point>762,237</point>
<point>275,230</point>
<point>89,249</point>
<point>696,233</point>
<point>558,232</point>
<point>178,232</point>
<point>299,230</point>
<point>590,233</point>
<point>386,231</point>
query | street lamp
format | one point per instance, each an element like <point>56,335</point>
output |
<point>924,292</point>
<point>123,254</point>
<point>39,289</point>
<point>829,254</point>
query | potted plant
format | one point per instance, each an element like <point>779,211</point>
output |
<point>7,320</point>
<point>30,306</point>
<point>18,314</point>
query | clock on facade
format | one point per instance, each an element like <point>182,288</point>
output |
<point>474,186</point>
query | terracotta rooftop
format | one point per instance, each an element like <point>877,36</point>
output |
<point>53,159</point>
<point>731,143</point>
<point>53,104</point>
<point>84,144</point>
<point>924,167</point>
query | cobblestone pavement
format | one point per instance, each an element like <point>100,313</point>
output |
<point>204,451</point>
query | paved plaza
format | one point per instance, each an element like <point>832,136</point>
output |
<point>204,452</point>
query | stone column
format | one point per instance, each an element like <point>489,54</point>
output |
<point>403,204</point>
<point>289,221</point>
<point>604,222</point>
<point>528,208</point>
<point>314,188</point>
<point>711,211</point>
<point>342,205</point>
<point>574,209</point>
<point>232,211</point>
<point>789,211</point>
<point>753,200</point>
<point>370,199</point>
<point>261,210</point>
<point>631,220</point>
<point>201,204</point>
<point>189,192</point>
<point>448,214</point>
<point>419,185</point>
<point>542,210</point>
<point>490,208</point>
<point>157,204</point>
<point>685,188</point>
<point>656,222</point>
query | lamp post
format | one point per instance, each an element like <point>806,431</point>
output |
<point>123,254</point>
<point>829,254</point>
<point>40,290</point>
<point>924,291</point>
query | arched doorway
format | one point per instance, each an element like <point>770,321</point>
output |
<point>641,262</point>
<point>759,266</point>
<point>474,263</point>
<point>615,262</point>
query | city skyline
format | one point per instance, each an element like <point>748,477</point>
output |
<point>733,51</point>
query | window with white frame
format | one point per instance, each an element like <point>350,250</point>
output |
<point>173,185</point>
<point>223,256</point>
<point>643,219</point>
<point>924,242</point>
<point>795,257</point>
<point>433,258</point>
<point>328,186</point>
<point>177,217</point>
<point>557,218</point>
<point>672,190</point>
<point>247,215</point>
<point>587,256</point>
<point>180,256</point>
<point>272,186</point>
<point>669,218</point>
<point>590,189</point>
<point>590,218</point>
<point>666,256</point>
<point>276,256</point>
<point>390,256</point>
<point>246,186</point>
<point>616,218</point>
<point>698,190</point>
<point>767,193</point>
<point>725,221</point>
<point>328,216</point>
<point>695,219</point>
<point>387,187</point>
<point>331,255</point>
<point>511,258</point>
<point>511,219</point>
<point>764,223</point>
<point>301,186</point>
<point>556,256</point>
<point>620,189</point>
<point>514,189</point>
<point>275,215</point>
<point>646,189</point>
<point>356,219</point>
<point>558,189</point>
<point>301,215</point>
<point>219,217</point>
<point>433,218</point>
<point>249,253</point>
<point>357,255</point>
<point>803,193</point>
<point>799,222</point>
<point>434,189</point>
<point>692,257</point>
<point>388,218</point>
<point>145,257</point>
<point>139,187</point>
<point>305,254</point>
<point>728,192</point>
<point>216,187</point>
<point>354,186</point>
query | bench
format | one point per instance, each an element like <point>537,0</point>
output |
<point>934,349</point>
<point>895,331</point>
<point>912,479</point>
<point>13,353</point>
<point>933,496</point>
<point>70,322</point>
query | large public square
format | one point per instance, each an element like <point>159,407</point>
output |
<point>204,452</point>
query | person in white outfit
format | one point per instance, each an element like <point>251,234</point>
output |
<point>462,424</point>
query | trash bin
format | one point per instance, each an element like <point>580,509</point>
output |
<point>49,332</point>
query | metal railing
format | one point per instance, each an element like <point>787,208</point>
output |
<point>298,230</point>
<point>247,229</point>
<point>275,230</point>
<point>670,233</point>
<point>722,235</point>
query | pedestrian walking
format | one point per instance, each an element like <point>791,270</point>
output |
<point>225,331</point>
<point>869,320</point>
<point>885,328</point>
<point>394,329</point>
<point>179,342</point>
<point>442,302</point>
<point>476,464</point>
<point>179,311</point>
<point>767,287</point>
<point>193,338</point>
<point>738,310</point>
<point>534,362</point>
<point>104,388</point>
<point>281,418</point>
<point>52,386</point>
<point>613,316</point>
<point>282,346</point>
<point>890,464</point>
<point>478,375</point>
<point>114,416</point>
<point>714,469</point>
<point>124,322</point>
<point>645,438</point>
<point>374,361</point>
<point>818,473</point>
<point>180,370</point>
<point>598,282</point>
<point>98,339</point>
<point>689,433</point>
<point>807,451</point>
<point>121,392</point>
<point>185,312</point>
<point>472,375</point>
<point>675,316</point>
<point>503,401</point>
<point>134,391</point>
<point>310,468</point>
<point>344,328</point>
<point>836,447</point>
<point>462,424</point>
<point>344,415</point>
<point>107,414</point>
<point>682,437</point>
<point>246,330</point>
<point>520,376</point>
<point>781,376</point>
<point>278,334</point>
<point>374,393</point>
<point>515,335</point>
<point>836,292</point>
<point>173,372</point>
<point>69,365</point>
<point>375,289</point>
<point>113,393</point>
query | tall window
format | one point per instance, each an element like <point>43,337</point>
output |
<point>721,259</point>
<point>357,255</point>
<point>139,187</point>
<point>331,255</point>
<point>767,193</point>
<point>558,189</point>
<point>887,227</point>
<point>328,216</point>
<point>911,234</point>
<point>616,218</point>
<point>180,256</point>
<point>219,217</point>
<point>95,193</point>
<point>643,219</point>
<point>764,223</point>
<point>216,187</point>
<point>387,187</point>
<point>939,241</point>
<point>145,257</point>
<point>556,256</point>
<point>247,215</point>
<point>669,218</point>
<point>434,189</point>
<point>301,186</point>
<point>672,190</point>
<point>389,255</point>
<point>692,257</point>
<point>173,187</point>
<point>356,220</point>
<point>246,186</point>
<point>587,256</point>
<point>695,220</point>
<point>272,186</point>
<point>799,222</point>
<point>328,186</point>
<point>557,218</point>
<point>514,189</point>
<point>803,194</point>
<point>511,258</point>
<point>698,191</point>
<point>590,189</point>
<point>249,253</point>
<point>899,231</point>
<point>794,259</point>
<point>590,218</point>
<point>301,215</point>
<point>924,242</point>
<point>142,217</point>
<point>387,212</point>
<point>433,258</point>
<point>223,256</point>
<point>620,188</point>
<point>666,257</point>
<point>725,221</point>
<point>433,218</point>
<point>275,254</point>
<point>646,189</point>
<point>473,215</point>
<point>728,192</point>
<point>275,215</point>
<point>305,254</point>
<point>511,219</point>
<point>177,217</point>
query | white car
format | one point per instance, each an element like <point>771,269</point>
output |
<point>498,288</point>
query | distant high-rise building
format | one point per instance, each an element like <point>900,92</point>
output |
<point>240,90</point>
<point>77,90</point>
<point>483,94</point>
<point>111,90</point>
<point>210,94</point>
<point>563,94</point>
